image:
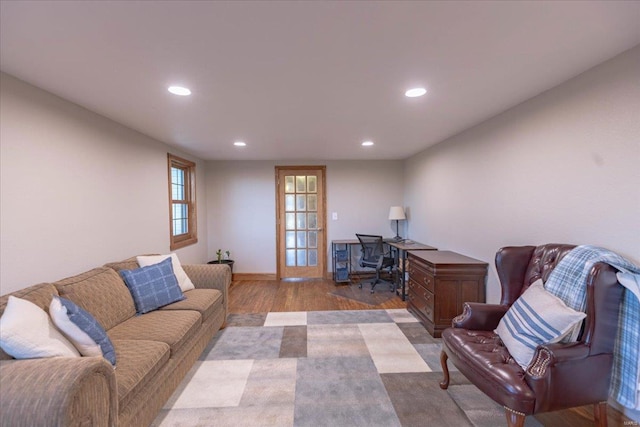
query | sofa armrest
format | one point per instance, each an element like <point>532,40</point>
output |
<point>479,316</point>
<point>211,276</point>
<point>62,391</point>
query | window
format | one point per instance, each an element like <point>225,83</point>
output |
<point>182,202</point>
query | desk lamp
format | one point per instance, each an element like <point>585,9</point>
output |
<point>396,213</point>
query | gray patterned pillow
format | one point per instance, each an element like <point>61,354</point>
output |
<point>153,287</point>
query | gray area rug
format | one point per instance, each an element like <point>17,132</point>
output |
<point>329,368</point>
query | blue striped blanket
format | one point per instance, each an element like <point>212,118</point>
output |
<point>568,282</point>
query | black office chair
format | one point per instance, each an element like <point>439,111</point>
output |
<point>373,256</point>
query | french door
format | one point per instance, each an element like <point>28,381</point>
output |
<point>300,221</point>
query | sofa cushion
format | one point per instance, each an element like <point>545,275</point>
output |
<point>138,362</point>
<point>40,295</point>
<point>173,327</point>
<point>482,356</point>
<point>26,332</point>
<point>204,301</point>
<point>90,290</point>
<point>126,264</point>
<point>82,329</point>
<point>153,286</point>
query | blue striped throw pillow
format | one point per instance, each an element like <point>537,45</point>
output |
<point>536,318</point>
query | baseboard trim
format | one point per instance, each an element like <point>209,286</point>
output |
<point>254,276</point>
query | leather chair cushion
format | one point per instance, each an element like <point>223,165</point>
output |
<point>481,357</point>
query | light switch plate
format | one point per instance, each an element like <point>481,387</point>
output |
<point>334,216</point>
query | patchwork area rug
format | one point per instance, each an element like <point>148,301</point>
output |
<point>326,368</point>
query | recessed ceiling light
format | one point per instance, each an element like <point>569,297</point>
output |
<point>179,90</point>
<point>240,144</point>
<point>415,92</point>
<point>367,143</point>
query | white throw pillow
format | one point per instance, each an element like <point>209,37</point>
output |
<point>536,318</point>
<point>83,342</point>
<point>26,332</point>
<point>183,280</point>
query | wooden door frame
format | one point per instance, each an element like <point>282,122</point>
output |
<point>323,225</point>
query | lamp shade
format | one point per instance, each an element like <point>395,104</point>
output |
<point>396,213</point>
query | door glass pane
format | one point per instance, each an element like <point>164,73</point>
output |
<point>291,239</point>
<point>301,221</point>
<point>288,184</point>
<point>290,221</point>
<point>301,184</point>
<point>312,202</point>
<point>313,240</point>
<point>291,258</point>
<point>302,257</point>
<point>301,202</point>
<point>313,257</point>
<point>289,202</point>
<point>313,221</point>
<point>302,239</point>
<point>312,184</point>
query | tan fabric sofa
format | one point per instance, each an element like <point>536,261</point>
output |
<point>154,352</point>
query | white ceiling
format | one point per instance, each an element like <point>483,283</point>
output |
<point>307,80</point>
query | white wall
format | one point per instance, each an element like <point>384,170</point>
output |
<point>78,190</point>
<point>562,167</point>
<point>241,206</point>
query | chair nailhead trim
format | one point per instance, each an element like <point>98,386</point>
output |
<point>515,412</point>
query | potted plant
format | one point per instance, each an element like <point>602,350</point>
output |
<point>223,259</point>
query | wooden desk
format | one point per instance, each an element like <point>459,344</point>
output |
<point>401,249</point>
<point>341,255</point>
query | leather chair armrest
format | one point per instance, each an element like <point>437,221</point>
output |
<point>567,375</point>
<point>479,316</point>
<point>549,355</point>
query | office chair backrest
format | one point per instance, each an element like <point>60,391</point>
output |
<point>372,247</point>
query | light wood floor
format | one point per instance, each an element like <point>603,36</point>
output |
<point>262,296</point>
<point>255,296</point>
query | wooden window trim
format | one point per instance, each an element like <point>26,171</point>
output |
<point>191,237</point>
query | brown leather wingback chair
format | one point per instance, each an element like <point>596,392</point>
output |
<point>560,375</point>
